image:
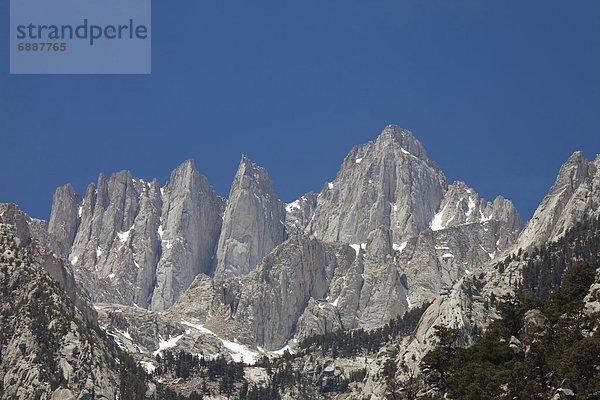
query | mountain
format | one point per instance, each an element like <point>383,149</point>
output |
<point>253,222</point>
<point>50,347</point>
<point>469,304</point>
<point>385,246</point>
<point>189,230</point>
<point>573,197</point>
<point>134,242</point>
<point>268,291</point>
<point>389,182</point>
<point>461,205</point>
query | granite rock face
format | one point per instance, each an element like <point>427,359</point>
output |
<point>389,182</point>
<point>467,304</point>
<point>386,235</point>
<point>462,205</point>
<point>189,231</point>
<point>299,213</point>
<point>133,242</point>
<point>108,249</point>
<point>64,219</point>
<point>276,294</point>
<point>574,196</point>
<point>48,349</point>
<point>253,224</point>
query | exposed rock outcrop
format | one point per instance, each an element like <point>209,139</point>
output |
<point>253,224</point>
<point>189,232</point>
<point>389,182</point>
<point>64,218</point>
<point>575,196</point>
<point>49,351</point>
<point>57,267</point>
<point>462,205</point>
<point>299,213</point>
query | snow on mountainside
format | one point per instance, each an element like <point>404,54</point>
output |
<point>179,268</point>
<point>573,198</point>
<point>135,243</point>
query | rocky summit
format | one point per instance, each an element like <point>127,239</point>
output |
<point>348,293</point>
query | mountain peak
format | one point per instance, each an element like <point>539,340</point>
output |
<point>571,199</point>
<point>187,165</point>
<point>576,158</point>
<point>393,135</point>
<point>252,223</point>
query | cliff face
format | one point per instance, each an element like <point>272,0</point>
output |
<point>48,348</point>
<point>133,242</point>
<point>389,182</point>
<point>573,197</point>
<point>254,222</point>
<point>386,235</point>
<point>468,304</point>
<point>189,231</point>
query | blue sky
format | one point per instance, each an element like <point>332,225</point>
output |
<point>499,92</point>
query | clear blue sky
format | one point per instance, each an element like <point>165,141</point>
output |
<point>499,92</point>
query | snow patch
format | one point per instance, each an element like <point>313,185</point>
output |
<point>399,247</point>
<point>358,160</point>
<point>471,207</point>
<point>330,185</point>
<point>407,152</point>
<point>239,352</point>
<point>167,344</point>
<point>282,350</point>
<point>335,302</point>
<point>447,255</point>
<point>356,248</point>
<point>405,290</point>
<point>125,334</point>
<point>160,231</point>
<point>148,366</point>
<point>124,236</point>
<point>117,340</point>
<point>292,206</point>
<point>437,221</point>
<point>74,260</point>
<point>98,252</point>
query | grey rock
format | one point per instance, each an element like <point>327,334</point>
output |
<point>116,247</point>
<point>575,196</point>
<point>64,218</point>
<point>276,294</point>
<point>39,327</point>
<point>57,267</point>
<point>462,205</point>
<point>134,242</point>
<point>190,225</point>
<point>254,222</point>
<point>299,213</point>
<point>435,260</point>
<point>389,182</point>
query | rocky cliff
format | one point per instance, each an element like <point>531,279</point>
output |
<point>574,196</point>
<point>189,231</point>
<point>48,350</point>
<point>133,242</point>
<point>469,303</point>
<point>389,182</point>
<point>254,222</point>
